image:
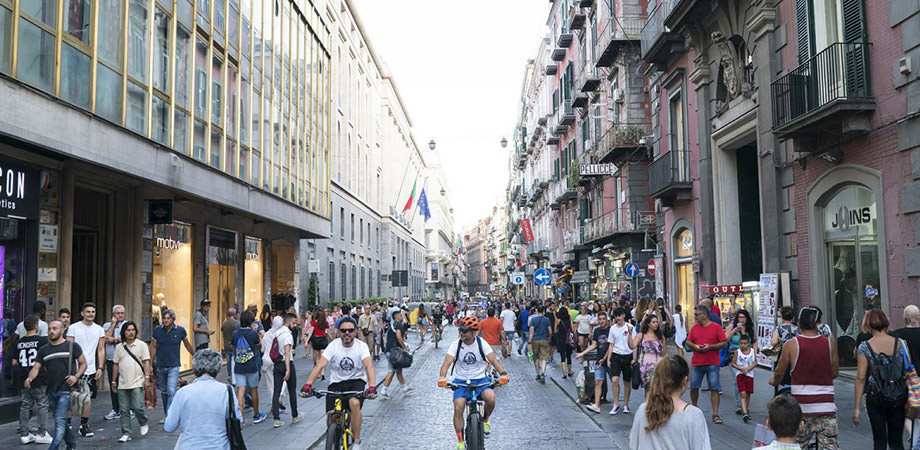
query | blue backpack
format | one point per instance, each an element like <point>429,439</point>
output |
<point>243,351</point>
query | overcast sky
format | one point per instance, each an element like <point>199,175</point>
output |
<point>459,66</point>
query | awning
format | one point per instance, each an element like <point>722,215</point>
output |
<point>582,276</point>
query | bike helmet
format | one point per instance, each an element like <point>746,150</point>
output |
<point>468,323</point>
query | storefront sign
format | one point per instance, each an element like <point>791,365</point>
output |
<point>19,191</point>
<point>726,289</point>
<point>766,315</point>
<point>527,230</point>
<point>851,211</point>
<point>159,212</point>
<point>597,169</point>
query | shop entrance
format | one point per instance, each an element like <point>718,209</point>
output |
<point>684,279</point>
<point>90,268</point>
<point>222,261</point>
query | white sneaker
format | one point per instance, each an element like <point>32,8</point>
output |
<point>593,408</point>
<point>162,421</point>
<point>277,423</point>
<point>144,430</point>
<point>28,439</point>
<point>407,390</point>
<point>124,438</point>
<point>383,393</point>
<point>296,419</point>
<point>614,410</point>
<point>355,446</point>
<point>112,415</point>
<point>44,438</point>
<point>626,409</point>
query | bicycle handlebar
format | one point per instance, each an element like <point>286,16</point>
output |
<point>490,384</point>
<point>356,394</point>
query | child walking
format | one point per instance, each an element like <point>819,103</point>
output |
<point>744,361</point>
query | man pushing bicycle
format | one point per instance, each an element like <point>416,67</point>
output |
<point>350,369</point>
<point>468,359</point>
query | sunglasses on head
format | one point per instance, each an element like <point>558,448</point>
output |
<point>347,330</point>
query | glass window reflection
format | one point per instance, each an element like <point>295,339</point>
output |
<point>36,56</point>
<point>77,14</point>
<point>137,40</point>
<point>75,76</point>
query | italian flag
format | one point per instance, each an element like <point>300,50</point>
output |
<point>411,197</point>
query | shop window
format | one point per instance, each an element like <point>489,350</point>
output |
<point>684,279</point>
<point>36,55</point>
<point>138,36</point>
<point>254,273</point>
<point>172,276</point>
<point>75,76</point>
<point>137,108</point>
<point>108,93</point>
<point>222,266</point>
<point>6,39</point>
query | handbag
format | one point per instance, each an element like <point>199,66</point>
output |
<point>912,406</point>
<point>400,358</point>
<point>79,392</point>
<point>571,340</point>
<point>234,429</point>
<point>636,378</point>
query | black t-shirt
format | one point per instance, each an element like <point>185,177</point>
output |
<point>912,337</point>
<point>600,336</point>
<point>54,359</point>
<point>26,354</point>
<point>392,342</point>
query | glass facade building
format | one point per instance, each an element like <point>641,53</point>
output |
<point>240,85</point>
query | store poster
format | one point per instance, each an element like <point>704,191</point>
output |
<point>47,238</point>
<point>766,315</point>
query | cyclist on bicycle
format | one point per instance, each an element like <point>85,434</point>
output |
<point>437,320</point>
<point>469,359</point>
<point>350,368</point>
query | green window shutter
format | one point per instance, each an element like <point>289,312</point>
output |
<point>803,28</point>
<point>856,52</point>
<point>583,209</point>
<point>854,21</point>
<point>556,169</point>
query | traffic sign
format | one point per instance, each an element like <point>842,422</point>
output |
<point>651,267</point>
<point>632,269</point>
<point>517,278</point>
<point>542,277</point>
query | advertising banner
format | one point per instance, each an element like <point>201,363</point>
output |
<point>766,315</point>
<point>527,230</point>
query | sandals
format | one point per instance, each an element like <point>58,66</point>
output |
<point>717,420</point>
<point>739,411</point>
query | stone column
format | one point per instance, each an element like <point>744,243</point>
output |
<point>700,77</point>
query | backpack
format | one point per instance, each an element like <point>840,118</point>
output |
<point>460,346</point>
<point>887,385</point>
<point>243,351</point>
<point>275,353</point>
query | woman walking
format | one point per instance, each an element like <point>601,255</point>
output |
<point>317,337</point>
<point>266,317</point>
<point>680,330</point>
<point>783,333</point>
<point>200,408</point>
<point>880,374</point>
<point>741,325</point>
<point>422,321</point>
<point>665,421</point>
<point>562,327</point>
<point>650,347</point>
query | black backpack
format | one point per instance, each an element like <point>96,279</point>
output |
<point>887,384</point>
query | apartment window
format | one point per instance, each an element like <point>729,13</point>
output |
<point>36,44</point>
<point>677,130</point>
<point>354,279</point>
<point>6,38</point>
<point>331,280</point>
<point>344,281</point>
<point>342,223</point>
<point>361,226</point>
<point>352,228</point>
<point>363,291</point>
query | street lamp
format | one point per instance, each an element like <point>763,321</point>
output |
<point>504,142</point>
<point>443,192</point>
<point>431,144</point>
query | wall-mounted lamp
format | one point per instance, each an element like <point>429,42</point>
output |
<point>432,144</point>
<point>504,142</point>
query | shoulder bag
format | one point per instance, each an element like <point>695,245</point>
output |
<point>636,378</point>
<point>79,392</point>
<point>234,429</point>
<point>138,361</point>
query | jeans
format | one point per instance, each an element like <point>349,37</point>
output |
<point>109,365</point>
<point>167,382</point>
<point>278,373</point>
<point>525,336</point>
<point>230,363</point>
<point>60,404</point>
<point>131,400</point>
<point>915,435</point>
<point>34,397</point>
<point>887,424</point>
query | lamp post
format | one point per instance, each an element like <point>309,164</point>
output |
<point>432,144</point>
<point>504,142</point>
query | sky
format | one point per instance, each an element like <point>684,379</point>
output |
<point>459,67</point>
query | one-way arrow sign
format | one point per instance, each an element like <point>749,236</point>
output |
<point>541,277</point>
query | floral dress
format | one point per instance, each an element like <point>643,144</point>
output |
<point>649,355</point>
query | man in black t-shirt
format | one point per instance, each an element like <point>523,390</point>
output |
<point>59,377</point>
<point>396,338</point>
<point>599,342</point>
<point>26,353</point>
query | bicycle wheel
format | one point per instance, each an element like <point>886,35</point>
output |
<point>474,438</point>
<point>334,437</point>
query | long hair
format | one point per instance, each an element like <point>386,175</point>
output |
<point>320,318</point>
<point>644,304</point>
<point>669,376</point>
<point>266,312</point>
<point>748,323</point>
<point>646,324</point>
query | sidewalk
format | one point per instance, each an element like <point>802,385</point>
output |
<point>733,433</point>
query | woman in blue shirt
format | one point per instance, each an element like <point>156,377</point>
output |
<point>200,409</point>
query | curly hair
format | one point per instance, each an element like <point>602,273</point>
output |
<point>646,324</point>
<point>206,361</point>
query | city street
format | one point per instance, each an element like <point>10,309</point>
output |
<point>529,415</point>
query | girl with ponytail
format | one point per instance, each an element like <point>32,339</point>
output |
<point>665,420</point>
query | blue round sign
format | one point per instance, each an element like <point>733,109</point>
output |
<point>542,277</point>
<point>632,269</point>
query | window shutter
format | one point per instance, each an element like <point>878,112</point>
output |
<point>854,21</point>
<point>855,36</point>
<point>803,27</point>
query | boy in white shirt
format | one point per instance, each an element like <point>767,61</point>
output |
<point>744,361</point>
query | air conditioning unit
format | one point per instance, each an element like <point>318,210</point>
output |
<point>617,95</point>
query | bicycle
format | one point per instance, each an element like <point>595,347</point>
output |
<point>437,335</point>
<point>473,433</point>
<point>338,421</point>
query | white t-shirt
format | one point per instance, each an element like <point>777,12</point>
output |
<point>619,339</point>
<point>583,321</point>
<point>470,365</point>
<point>346,363</point>
<point>87,337</point>
<point>747,360</point>
<point>42,328</point>
<point>508,320</point>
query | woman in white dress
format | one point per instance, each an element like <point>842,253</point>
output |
<point>680,333</point>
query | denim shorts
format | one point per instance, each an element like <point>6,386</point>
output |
<point>711,372</point>
<point>468,393</point>
<point>247,379</point>
<point>600,371</point>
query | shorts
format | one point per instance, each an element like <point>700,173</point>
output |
<point>821,428</point>
<point>583,335</point>
<point>600,371</point>
<point>711,372</point>
<point>621,365</point>
<point>467,393</point>
<point>509,336</point>
<point>319,342</point>
<point>745,383</point>
<point>347,385</point>
<point>91,383</point>
<point>541,350</point>
<point>250,380</point>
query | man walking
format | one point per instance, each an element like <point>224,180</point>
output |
<point>131,369</point>
<point>64,364</point>
<point>706,338</point>
<point>523,323</point>
<point>91,338</point>
<point>619,358</point>
<point>540,329</point>
<point>112,330</point>
<point>284,371</point>
<point>200,326</point>
<point>38,310</point>
<point>599,341</point>
<point>492,331</point>
<point>35,396</point>
<point>226,331</point>
<point>508,318</point>
<point>248,362</point>
<point>164,351</point>
<point>812,381</point>
<point>396,337</point>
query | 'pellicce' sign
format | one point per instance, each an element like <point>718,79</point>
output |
<point>18,191</point>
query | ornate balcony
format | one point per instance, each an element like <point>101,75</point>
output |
<point>669,177</point>
<point>620,142</point>
<point>577,17</point>
<point>615,35</point>
<point>552,69</point>
<point>658,42</point>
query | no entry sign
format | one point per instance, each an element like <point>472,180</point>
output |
<point>651,267</point>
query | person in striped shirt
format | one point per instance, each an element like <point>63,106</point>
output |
<point>813,383</point>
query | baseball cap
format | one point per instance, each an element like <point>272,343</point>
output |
<point>204,301</point>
